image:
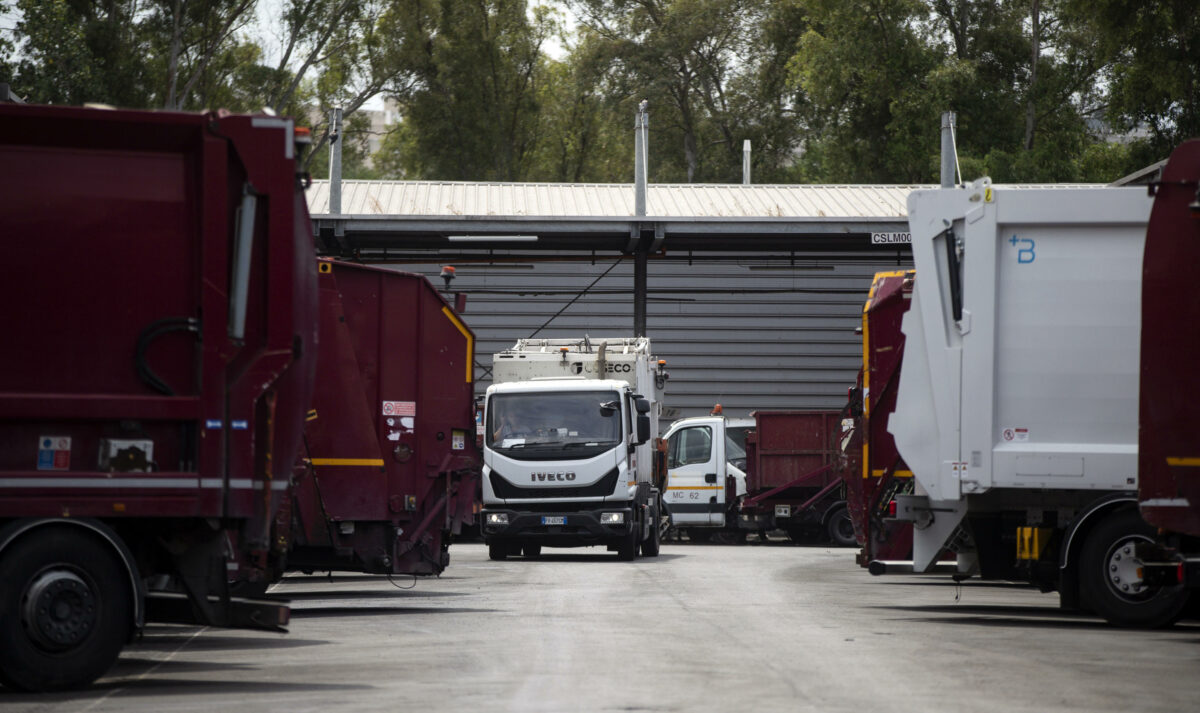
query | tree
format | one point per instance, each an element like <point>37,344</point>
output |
<point>76,51</point>
<point>690,59</point>
<point>472,110</point>
<point>1152,70</point>
<point>855,64</point>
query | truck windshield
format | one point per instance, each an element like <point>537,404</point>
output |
<point>554,420</point>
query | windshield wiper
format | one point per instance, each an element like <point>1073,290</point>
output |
<point>588,444</point>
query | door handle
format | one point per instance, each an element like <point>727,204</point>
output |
<point>710,477</point>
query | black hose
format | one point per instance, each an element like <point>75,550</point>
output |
<point>149,334</point>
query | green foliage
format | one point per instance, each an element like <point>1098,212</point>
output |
<point>76,51</point>
<point>472,112</point>
<point>1152,54</point>
<point>825,90</point>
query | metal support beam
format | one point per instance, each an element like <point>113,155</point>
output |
<point>335,161</point>
<point>948,157</point>
<point>639,290</point>
<point>641,134</point>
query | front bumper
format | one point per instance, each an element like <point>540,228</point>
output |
<point>579,528</point>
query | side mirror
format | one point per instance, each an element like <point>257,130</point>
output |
<point>642,405</point>
<point>643,428</point>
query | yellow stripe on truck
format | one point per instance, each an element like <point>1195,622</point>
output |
<point>378,462</point>
<point>1184,461</point>
<point>470,341</point>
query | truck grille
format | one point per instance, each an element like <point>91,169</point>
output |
<point>600,488</point>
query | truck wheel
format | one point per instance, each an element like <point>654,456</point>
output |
<point>66,609</point>
<point>651,544</point>
<point>498,551</point>
<point>627,548</point>
<point>1111,576</point>
<point>840,528</point>
<point>531,551</point>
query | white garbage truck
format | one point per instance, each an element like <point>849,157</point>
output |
<point>570,447</point>
<point>1017,407</point>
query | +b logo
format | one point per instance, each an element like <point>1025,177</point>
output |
<point>1025,253</point>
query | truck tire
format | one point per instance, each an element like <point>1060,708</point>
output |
<point>840,528</point>
<point>1110,580</point>
<point>66,609</point>
<point>651,544</point>
<point>627,548</point>
<point>498,551</point>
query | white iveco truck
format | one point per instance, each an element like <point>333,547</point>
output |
<point>1017,408</point>
<point>570,428</point>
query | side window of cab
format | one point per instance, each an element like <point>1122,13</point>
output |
<point>689,445</point>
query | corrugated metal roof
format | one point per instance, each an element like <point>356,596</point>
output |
<point>611,200</point>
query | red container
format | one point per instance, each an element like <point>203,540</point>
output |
<point>392,460</point>
<point>789,445</point>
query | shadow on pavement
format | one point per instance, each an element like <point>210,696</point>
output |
<point>327,612</point>
<point>945,581</point>
<point>1025,616</point>
<point>214,642</point>
<point>389,593</point>
<point>310,579</point>
<point>128,666</point>
<point>595,557</point>
<point>156,686</point>
<point>992,609</point>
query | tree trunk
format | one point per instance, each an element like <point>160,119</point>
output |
<point>1030,101</point>
<point>173,64</point>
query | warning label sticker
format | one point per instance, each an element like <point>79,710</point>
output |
<point>54,453</point>
<point>1019,435</point>
<point>399,408</point>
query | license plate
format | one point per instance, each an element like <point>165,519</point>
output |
<point>554,520</point>
<point>783,511</point>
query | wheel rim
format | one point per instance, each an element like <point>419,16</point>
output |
<point>845,528</point>
<point>58,609</point>
<point>1123,570</point>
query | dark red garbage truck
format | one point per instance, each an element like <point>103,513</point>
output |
<point>391,465</point>
<point>159,330</point>
<point>1169,423</point>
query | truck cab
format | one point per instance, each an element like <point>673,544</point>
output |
<point>568,457</point>
<point>703,453</point>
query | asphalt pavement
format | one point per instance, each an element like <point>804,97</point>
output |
<point>758,627</point>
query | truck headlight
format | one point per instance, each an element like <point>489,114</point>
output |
<point>612,518</point>
<point>497,518</point>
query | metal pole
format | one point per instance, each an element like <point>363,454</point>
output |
<point>639,290</point>
<point>641,128</point>
<point>746,162</point>
<point>335,162</point>
<point>640,137</point>
<point>948,124</point>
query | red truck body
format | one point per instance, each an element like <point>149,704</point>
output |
<point>873,471</point>
<point>791,472</point>
<point>392,464</point>
<point>158,360</point>
<point>1169,414</point>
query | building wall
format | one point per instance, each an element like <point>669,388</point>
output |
<point>748,332</point>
